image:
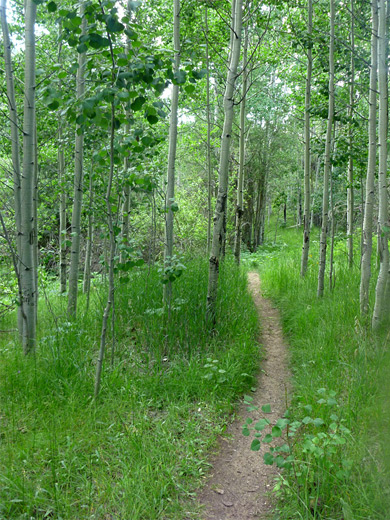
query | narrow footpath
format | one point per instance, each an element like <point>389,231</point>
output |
<point>239,484</point>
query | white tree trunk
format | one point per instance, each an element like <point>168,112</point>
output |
<point>15,147</point>
<point>306,211</point>
<point>78,187</point>
<point>223,176</point>
<point>350,192</point>
<point>383,217</point>
<point>241,173</point>
<point>170,195</point>
<point>370,179</point>
<point>328,146</point>
<point>28,276</point>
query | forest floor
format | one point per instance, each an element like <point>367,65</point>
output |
<point>239,484</point>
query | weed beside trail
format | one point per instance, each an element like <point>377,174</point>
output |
<point>141,450</point>
<point>339,410</point>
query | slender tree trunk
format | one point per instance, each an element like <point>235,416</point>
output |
<point>170,196</point>
<point>62,238</point>
<point>307,159</point>
<point>370,179</point>
<point>240,184</point>
<point>223,176</point>
<point>332,217</point>
<point>350,192</point>
<point>27,191</point>
<point>383,217</point>
<point>35,216</point>
<point>110,304</point>
<point>78,187</point>
<point>318,165</point>
<point>325,201</point>
<point>208,113</point>
<point>88,253</point>
<point>15,150</point>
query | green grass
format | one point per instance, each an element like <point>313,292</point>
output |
<point>330,349</point>
<point>141,451</point>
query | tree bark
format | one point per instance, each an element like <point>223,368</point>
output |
<point>350,192</point>
<point>383,217</point>
<point>371,166</point>
<point>170,195</point>
<point>328,144</point>
<point>307,158</point>
<point>223,176</point>
<point>78,187</point>
<point>15,149</point>
<point>28,275</point>
<point>240,184</point>
<point>208,114</point>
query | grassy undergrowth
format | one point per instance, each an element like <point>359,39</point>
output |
<point>141,450</point>
<point>339,404</point>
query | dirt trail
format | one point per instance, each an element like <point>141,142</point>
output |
<point>239,483</point>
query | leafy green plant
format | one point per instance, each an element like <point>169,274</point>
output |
<point>309,449</point>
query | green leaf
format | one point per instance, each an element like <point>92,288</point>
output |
<point>98,42</point>
<point>318,421</point>
<point>256,445</point>
<point>282,423</point>
<point>248,399</point>
<point>83,47</point>
<point>268,459</point>
<point>260,425</point>
<point>138,103</point>
<point>53,105</point>
<point>52,7</point>
<point>189,89</point>
<point>152,119</point>
<point>245,429</point>
<point>268,438</point>
<point>307,420</point>
<point>266,408</point>
<point>276,431</point>
<point>180,77</point>
<point>113,25</point>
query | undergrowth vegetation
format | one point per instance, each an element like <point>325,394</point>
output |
<point>141,450</point>
<point>337,424</point>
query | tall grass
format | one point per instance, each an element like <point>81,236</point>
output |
<point>331,349</point>
<point>141,450</point>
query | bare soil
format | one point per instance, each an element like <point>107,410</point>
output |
<point>239,483</point>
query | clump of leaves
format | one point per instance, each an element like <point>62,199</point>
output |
<point>310,450</point>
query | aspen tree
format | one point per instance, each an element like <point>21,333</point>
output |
<point>307,158</point>
<point>170,195</point>
<point>15,147</point>
<point>27,273</point>
<point>78,186</point>
<point>350,192</point>
<point>208,114</point>
<point>383,217</point>
<point>240,184</point>
<point>328,146</point>
<point>223,176</point>
<point>371,166</point>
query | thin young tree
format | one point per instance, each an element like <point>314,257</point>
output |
<point>28,267</point>
<point>383,217</point>
<point>240,184</point>
<point>350,191</point>
<point>170,194</point>
<point>78,185</point>
<point>327,157</point>
<point>371,166</point>
<point>223,176</point>
<point>307,158</point>
<point>15,148</point>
